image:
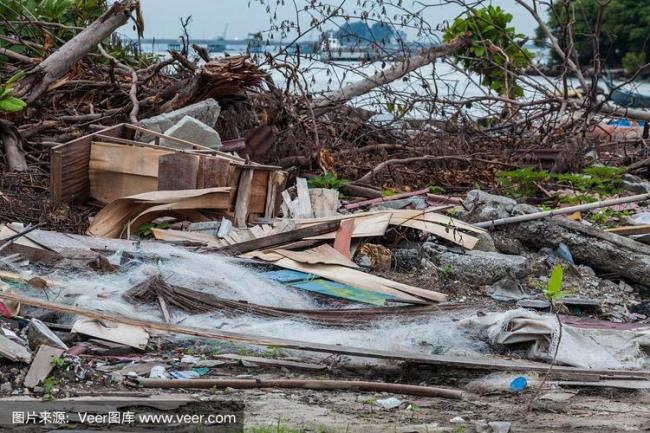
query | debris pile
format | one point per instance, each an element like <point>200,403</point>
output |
<point>188,225</point>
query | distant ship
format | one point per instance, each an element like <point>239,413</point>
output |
<point>332,50</point>
<point>218,46</point>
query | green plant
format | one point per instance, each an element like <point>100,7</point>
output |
<point>608,216</point>
<point>435,189</point>
<point>601,180</point>
<point>522,182</point>
<point>58,362</point>
<point>447,271</point>
<point>495,50</point>
<point>387,192</point>
<point>8,102</point>
<point>145,231</point>
<point>553,290</point>
<point>328,180</point>
<point>632,61</point>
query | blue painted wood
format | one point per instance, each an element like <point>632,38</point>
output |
<point>288,276</point>
<point>338,290</point>
<point>312,283</point>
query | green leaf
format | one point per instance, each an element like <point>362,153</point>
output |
<point>16,78</point>
<point>12,104</point>
<point>554,286</point>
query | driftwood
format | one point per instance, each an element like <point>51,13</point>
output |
<point>394,72</point>
<point>12,145</point>
<point>57,64</point>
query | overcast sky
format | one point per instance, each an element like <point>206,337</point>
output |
<point>210,17</point>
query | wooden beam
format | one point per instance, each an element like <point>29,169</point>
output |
<point>280,238</point>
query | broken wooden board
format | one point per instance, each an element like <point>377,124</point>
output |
<point>279,238</point>
<point>178,171</point>
<point>324,202</point>
<point>304,202</point>
<point>183,236</point>
<point>12,350</point>
<point>463,239</point>
<point>323,254</point>
<point>130,212</point>
<point>364,226</point>
<point>362,280</point>
<point>631,230</point>
<point>312,283</point>
<point>116,170</point>
<point>274,362</point>
<point>343,238</point>
<point>467,362</point>
<point>128,335</point>
<point>42,365</point>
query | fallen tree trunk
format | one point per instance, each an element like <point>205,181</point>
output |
<point>11,142</point>
<point>352,385</point>
<point>57,64</point>
<point>395,72</point>
<point>598,249</point>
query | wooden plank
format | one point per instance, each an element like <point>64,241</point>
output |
<point>324,202</point>
<point>280,238</point>
<point>69,178</point>
<point>356,278</point>
<point>364,226</point>
<point>631,230</point>
<point>344,291</point>
<point>273,362</point>
<point>455,236</point>
<point>117,171</point>
<point>259,188</point>
<point>118,158</point>
<point>469,362</point>
<point>277,181</point>
<point>243,197</point>
<point>178,171</point>
<point>344,237</point>
<point>324,254</point>
<point>121,333</point>
<point>304,203</point>
<point>42,365</point>
<point>213,172</point>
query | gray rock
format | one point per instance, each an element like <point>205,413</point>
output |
<point>523,209</point>
<point>483,268</point>
<point>507,289</point>
<point>206,111</point>
<point>484,206</point>
<point>485,243</point>
<point>506,244</point>
<point>478,196</point>
<point>194,131</point>
<point>406,259</point>
<point>6,387</point>
<point>634,184</point>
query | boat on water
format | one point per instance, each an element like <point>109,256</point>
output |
<point>218,46</point>
<point>332,50</point>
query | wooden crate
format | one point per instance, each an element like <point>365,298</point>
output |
<point>71,177</point>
